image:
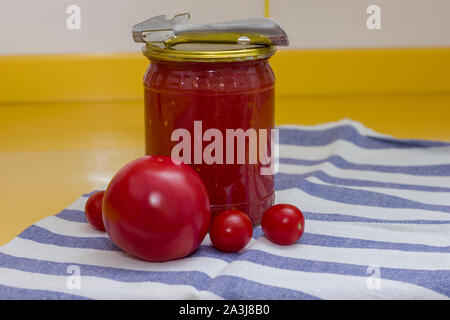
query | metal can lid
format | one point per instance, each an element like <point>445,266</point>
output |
<point>178,39</point>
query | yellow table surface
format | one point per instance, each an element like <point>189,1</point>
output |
<point>50,154</point>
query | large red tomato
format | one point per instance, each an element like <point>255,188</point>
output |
<point>156,210</point>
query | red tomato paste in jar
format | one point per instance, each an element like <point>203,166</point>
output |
<point>209,102</point>
<point>222,95</point>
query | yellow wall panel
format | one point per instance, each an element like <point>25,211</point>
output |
<point>299,72</point>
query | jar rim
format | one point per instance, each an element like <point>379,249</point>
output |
<point>230,54</point>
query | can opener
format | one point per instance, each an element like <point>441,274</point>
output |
<point>180,29</point>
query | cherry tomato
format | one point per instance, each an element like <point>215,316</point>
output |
<point>231,231</point>
<point>93,210</point>
<point>283,223</point>
<point>156,210</point>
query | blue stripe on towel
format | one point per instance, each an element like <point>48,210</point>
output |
<point>441,170</point>
<point>196,279</point>
<point>304,137</point>
<point>72,215</point>
<point>360,197</point>
<point>286,181</point>
<point>13,293</point>
<point>42,235</point>
<point>350,218</point>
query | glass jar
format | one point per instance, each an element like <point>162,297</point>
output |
<point>218,89</point>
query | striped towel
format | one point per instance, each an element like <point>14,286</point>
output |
<point>377,215</point>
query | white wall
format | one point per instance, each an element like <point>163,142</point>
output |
<point>105,24</point>
<point>39,26</point>
<point>342,23</point>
